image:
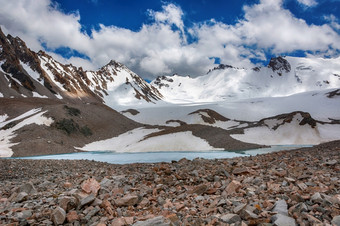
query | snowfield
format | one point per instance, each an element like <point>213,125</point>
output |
<point>316,103</point>
<point>134,141</point>
<point>290,134</point>
<point>34,116</point>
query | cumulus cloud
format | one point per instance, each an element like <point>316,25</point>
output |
<point>161,47</point>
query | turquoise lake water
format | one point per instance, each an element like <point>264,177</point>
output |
<point>152,157</point>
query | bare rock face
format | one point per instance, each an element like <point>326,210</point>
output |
<point>279,64</point>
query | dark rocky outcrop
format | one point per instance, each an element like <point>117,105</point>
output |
<point>279,65</point>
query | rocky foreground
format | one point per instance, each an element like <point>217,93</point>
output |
<point>300,187</point>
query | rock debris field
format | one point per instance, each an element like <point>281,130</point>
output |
<point>299,187</point>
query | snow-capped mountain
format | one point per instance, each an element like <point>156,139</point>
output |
<point>24,73</point>
<point>282,77</point>
<point>290,101</point>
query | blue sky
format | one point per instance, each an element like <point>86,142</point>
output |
<point>155,37</point>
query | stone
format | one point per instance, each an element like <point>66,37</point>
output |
<point>233,187</point>
<point>238,208</point>
<point>105,183</point>
<point>156,221</point>
<point>231,218</point>
<point>87,200</point>
<point>68,203</point>
<point>67,185</point>
<point>93,212</point>
<point>248,215</point>
<point>107,206</point>
<point>316,198</point>
<point>58,216</point>
<point>199,190</point>
<point>128,200</point>
<point>298,208</point>
<point>119,222</point>
<point>239,171</point>
<point>22,196</point>
<point>331,162</point>
<point>282,220</point>
<point>336,220</point>
<point>302,186</point>
<point>311,219</point>
<point>281,207</point>
<point>72,216</point>
<point>91,185</point>
<point>28,188</point>
<point>25,214</point>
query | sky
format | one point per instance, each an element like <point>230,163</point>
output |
<point>188,37</point>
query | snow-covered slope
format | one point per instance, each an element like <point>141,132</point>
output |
<point>282,77</point>
<point>258,116</point>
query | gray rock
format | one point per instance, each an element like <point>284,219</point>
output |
<point>22,196</point>
<point>28,188</point>
<point>238,208</point>
<point>58,216</point>
<point>24,214</point>
<point>281,207</point>
<point>93,212</point>
<point>316,198</point>
<point>336,220</point>
<point>105,183</point>
<point>87,200</point>
<point>230,218</point>
<point>156,221</point>
<point>282,220</point>
<point>331,162</point>
<point>248,215</point>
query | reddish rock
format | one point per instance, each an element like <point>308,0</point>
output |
<point>199,190</point>
<point>91,185</point>
<point>239,171</point>
<point>67,185</point>
<point>233,187</point>
<point>118,222</point>
<point>128,200</point>
<point>72,216</point>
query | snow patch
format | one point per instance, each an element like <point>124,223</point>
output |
<point>133,141</point>
<point>35,75</point>
<point>31,117</point>
<point>35,94</point>
<point>1,95</point>
<point>3,117</point>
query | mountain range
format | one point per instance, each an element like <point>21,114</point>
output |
<point>47,107</point>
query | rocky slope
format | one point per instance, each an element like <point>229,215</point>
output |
<point>299,187</point>
<point>39,126</point>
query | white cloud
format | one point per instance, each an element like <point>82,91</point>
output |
<point>158,48</point>
<point>308,3</point>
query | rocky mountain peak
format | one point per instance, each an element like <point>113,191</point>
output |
<point>220,67</point>
<point>279,64</point>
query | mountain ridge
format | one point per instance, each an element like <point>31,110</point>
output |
<point>28,72</point>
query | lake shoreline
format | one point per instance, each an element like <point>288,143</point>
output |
<point>304,183</point>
